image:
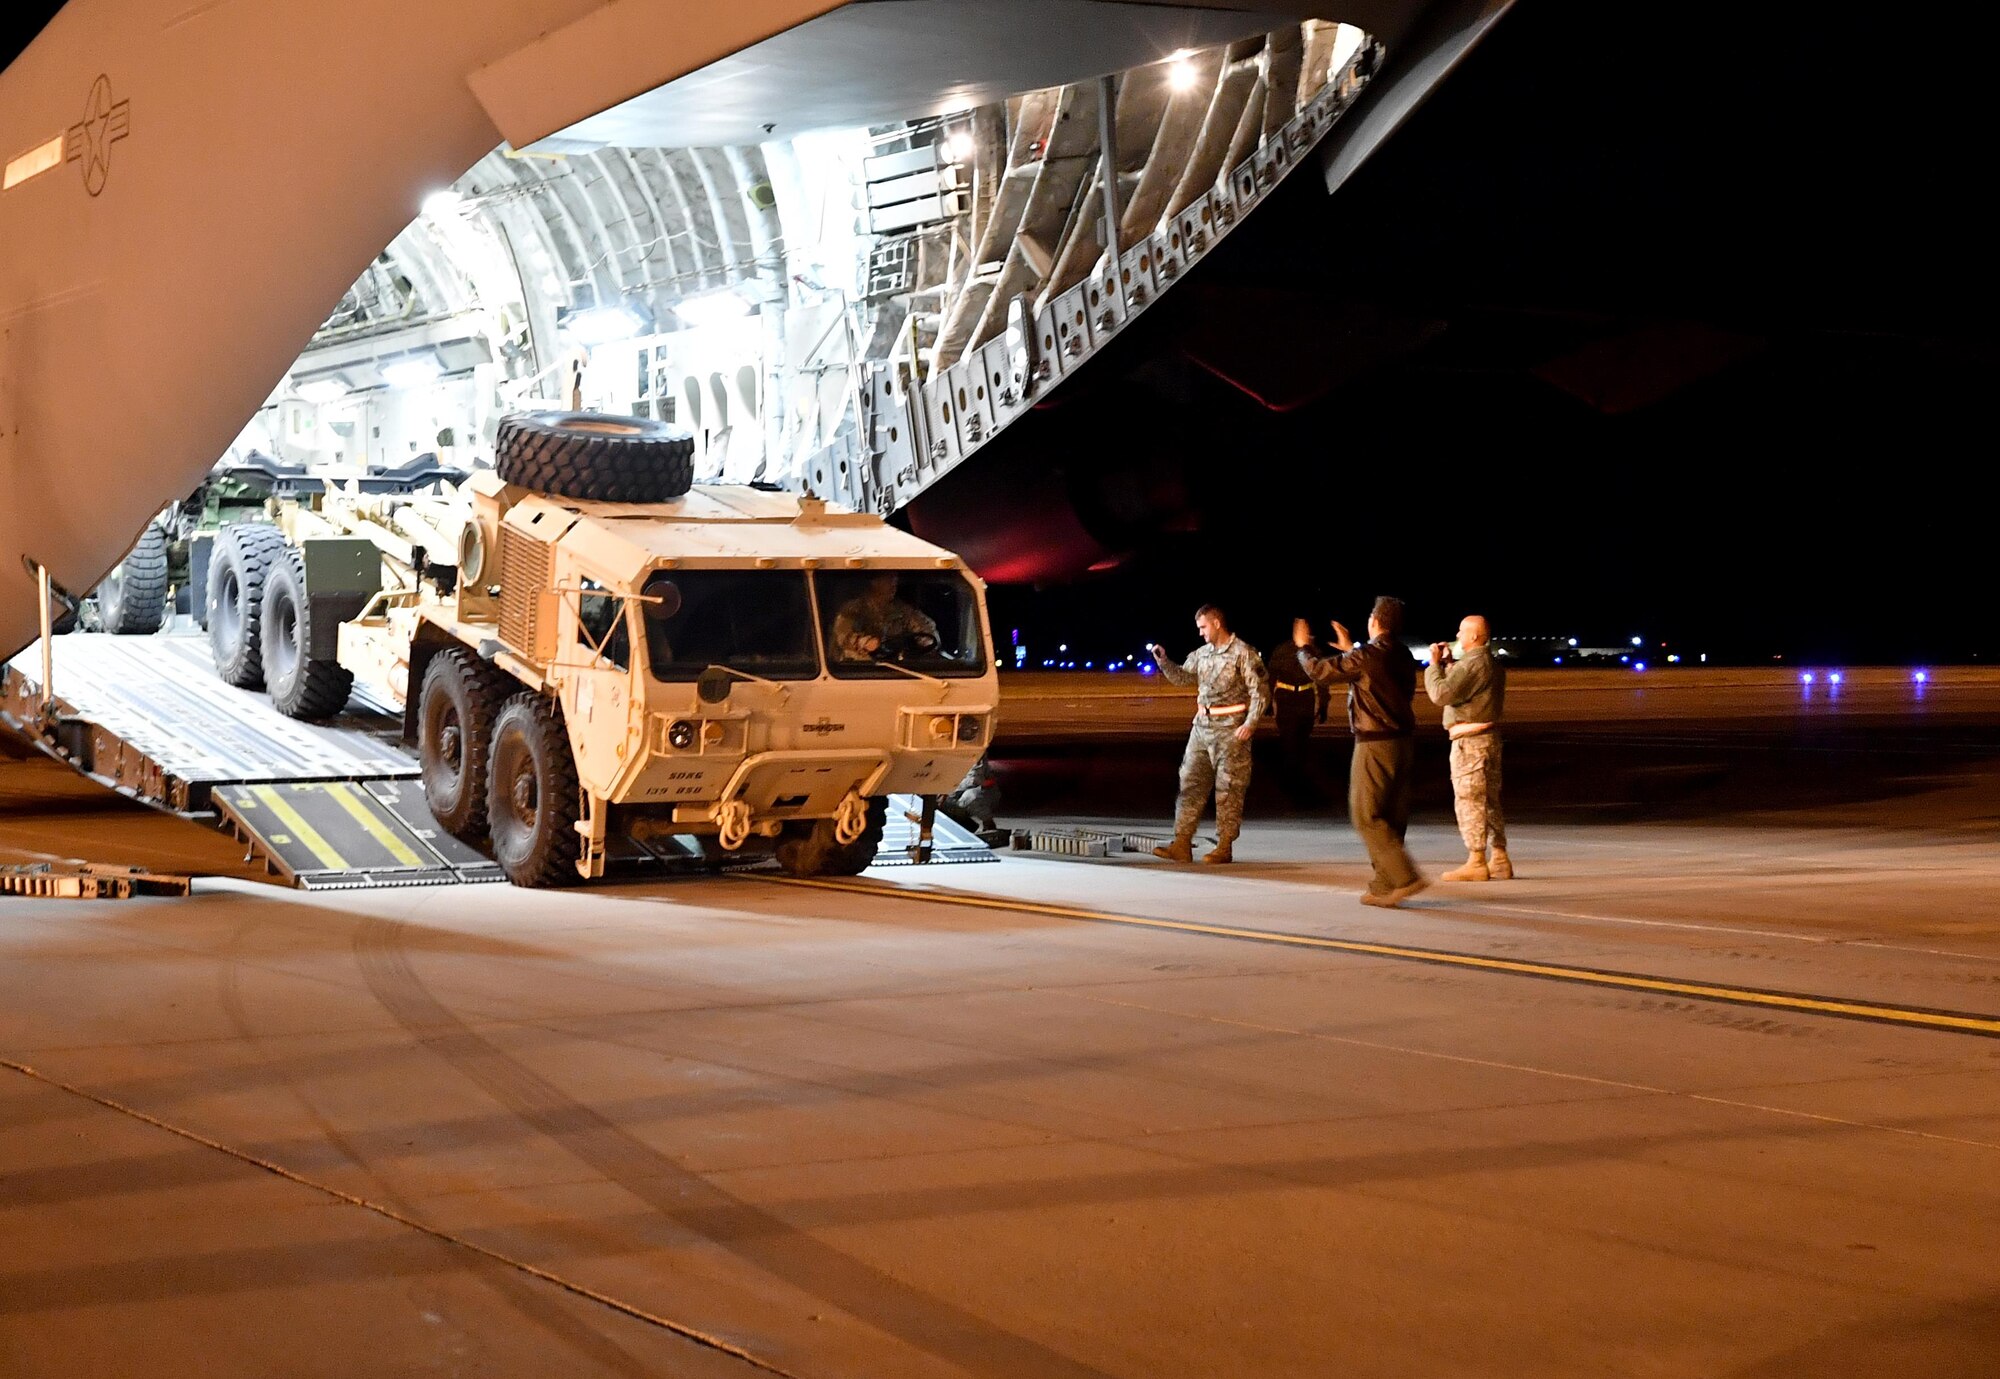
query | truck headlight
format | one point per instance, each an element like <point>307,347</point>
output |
<point>680,735</point>
<point>970,727</point>
<point>941,728</point>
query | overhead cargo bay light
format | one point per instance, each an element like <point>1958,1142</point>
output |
<point>321,391</point>
<point>412,371</point>
<point>712,308</point>
<point>601,325</point>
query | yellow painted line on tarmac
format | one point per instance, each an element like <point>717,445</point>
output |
<point>301,830</point>
<point>1957,1022</point>
<point>347,795</point>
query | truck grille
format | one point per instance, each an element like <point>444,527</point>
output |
<point>524,587</point>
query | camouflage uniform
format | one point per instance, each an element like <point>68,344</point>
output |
<point>1473,691</point>
<point>1228,675</point>
<point>884,622</point>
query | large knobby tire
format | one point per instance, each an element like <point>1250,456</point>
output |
<point>456,709</point>
<point>236,573</point>
<point>593,456</point>
<point>532,794</point>
<point>300,686</point>
<point>132,600</point>
<point>812,850</point>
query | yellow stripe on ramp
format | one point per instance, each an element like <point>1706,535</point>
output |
<point>301,830</point>
<point>348,796</point>
<point>1957,1022</point>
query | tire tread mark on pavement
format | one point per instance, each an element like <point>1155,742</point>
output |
<point>391,1214</point>
<point>533,1306</point>
<point>1975,1023</point>
<point>689,1200</point>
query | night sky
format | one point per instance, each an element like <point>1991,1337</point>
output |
<point>1634,328</point>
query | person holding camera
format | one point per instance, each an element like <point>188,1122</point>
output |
<point>1472,687</point>
<point>1229,701</point>
<point>1381,680</point>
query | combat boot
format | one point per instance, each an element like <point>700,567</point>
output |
<point>1219,855</point>
<point>1474,869</point>
<point>1179,850</point>
<point>1499,866</point>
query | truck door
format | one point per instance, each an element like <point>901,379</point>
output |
<point>597,694</point>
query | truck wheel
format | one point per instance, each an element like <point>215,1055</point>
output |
<point>456,708</point>
<point>531,794</point>
<point>593,456</point>
<point>132,600</point>
<point>300,686</point>
<point>236,575</point>
<point>812,851</point>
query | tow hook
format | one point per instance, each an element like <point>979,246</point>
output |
<point>850,821</point>
<point>732,820</point>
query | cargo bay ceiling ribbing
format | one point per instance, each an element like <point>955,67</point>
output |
<point>906,290</point>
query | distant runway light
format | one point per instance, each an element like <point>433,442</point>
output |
<point>1921,677</point>
<point>1806,678</point>
<point>1834,678</point>
<point>1638,665</point>
<point>1635,641</point>
<point>1572,641</point>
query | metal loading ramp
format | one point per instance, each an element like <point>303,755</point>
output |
<point>348,835</point>
<point>148,717</point>
<point>325,807</point>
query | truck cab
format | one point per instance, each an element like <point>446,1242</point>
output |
<point>750,667</point>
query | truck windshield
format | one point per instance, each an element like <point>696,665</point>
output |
<point>758,621</point>
<point>922,620</point>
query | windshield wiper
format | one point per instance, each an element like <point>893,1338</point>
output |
<point>913,674</point>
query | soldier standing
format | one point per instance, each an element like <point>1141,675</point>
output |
<point>1298,703</point>
<point>1230,700</point>
<point>1381,681</point>
<point>1473,691</point>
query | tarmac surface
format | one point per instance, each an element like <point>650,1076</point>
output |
<point>1712,1089</point>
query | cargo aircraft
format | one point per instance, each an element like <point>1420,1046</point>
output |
<point>354,232</point>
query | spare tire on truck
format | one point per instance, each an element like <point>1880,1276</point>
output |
<point>593,456</point>
<point>132,600</point>
<point>242,561</point>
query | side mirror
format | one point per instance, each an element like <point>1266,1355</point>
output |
<point>713,685</point>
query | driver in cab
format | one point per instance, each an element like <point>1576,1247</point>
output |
<point>876,625</point>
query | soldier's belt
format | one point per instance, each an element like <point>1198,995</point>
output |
<point>1282,684</point>
<point>1221,710</point>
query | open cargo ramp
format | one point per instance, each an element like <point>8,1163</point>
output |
<point>325,807</point>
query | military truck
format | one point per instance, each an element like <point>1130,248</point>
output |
<point>610,649</point>
<point>167,569</point>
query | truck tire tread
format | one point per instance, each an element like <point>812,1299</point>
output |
<point>132,602</point>
<point>249,549</point>
<point>318,689</point>
<point>478,693</point>
<point>542,853</point>
<point>558,453</point>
